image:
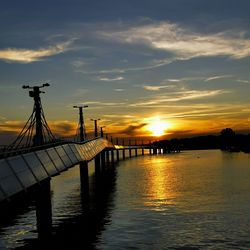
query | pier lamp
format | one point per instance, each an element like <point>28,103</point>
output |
<point>39,121</point>
<point>102,134</point>
<point>81,122</point>
<point>95,124</point>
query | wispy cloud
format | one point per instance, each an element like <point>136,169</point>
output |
<point>119,116</point>
<point>184,42</point>
<point>180,96</point>
<point>31,55</point>
<point>102,104</point>
<point>150,65</point>
<point>213,78</point>
<point>156,88</point>
<point>107,79</point>
<point>78,63</point>
<point>243,81</point>
<point>174,80</point>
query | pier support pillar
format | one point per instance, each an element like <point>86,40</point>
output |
<point>155,151</point>
<point>44,209</point>
<point>84,178</point>
<point>112,157</point>
<point>117,155</point>
<point>130,153</point>
<point>150,148</point>
<point>97,165</point>
<point>123,154</point>
<point>107,158</point>
<point>103,160</point>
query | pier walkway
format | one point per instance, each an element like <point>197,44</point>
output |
<point>21,171</point>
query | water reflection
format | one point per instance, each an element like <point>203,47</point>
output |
<point>181,201</point>
<point>77,221</point>
<point>191,200</point>
<point>160,188</point>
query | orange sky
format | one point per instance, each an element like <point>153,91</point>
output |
<point>155,69</point>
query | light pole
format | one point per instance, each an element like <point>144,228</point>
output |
<point>81,122</point>
<point>38,138</point>
<point>102,134</point>
<point>95,125</point>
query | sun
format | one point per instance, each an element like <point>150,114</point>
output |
<point>157,127</point>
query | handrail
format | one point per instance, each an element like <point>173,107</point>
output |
<point>18,151</point>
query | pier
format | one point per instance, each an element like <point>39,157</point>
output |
<point>29,163</point>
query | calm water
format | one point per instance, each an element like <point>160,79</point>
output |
<point>190,200</point>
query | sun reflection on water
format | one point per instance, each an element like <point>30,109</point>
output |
<point>161,184</point>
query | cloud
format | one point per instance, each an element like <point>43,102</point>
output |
<point>243,81</point>
<point>103,104</point>
<point>29,55</point>
<point>179,96</point>
<point>119,116</point>
<point>132,130</point>
<point>212,78</point>
<point>183,42</point>
<point>107,79</point>
<point>78,63</point>
<point>63,128</point>
<point>156,88</point>
<point>118,90</point>
<point>173,80</point>
<point>10,129</point>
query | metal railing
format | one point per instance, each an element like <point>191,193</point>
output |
<point>5,152</point>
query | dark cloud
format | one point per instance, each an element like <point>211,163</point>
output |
<point>132,130</point>
<point>63,127</point>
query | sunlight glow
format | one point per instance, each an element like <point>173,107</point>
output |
<point>157,127</point>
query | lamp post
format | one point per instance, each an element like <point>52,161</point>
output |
<point>95,125</point>
<point>102,134</point>
<point>35,93</point>
<point>81,122</point>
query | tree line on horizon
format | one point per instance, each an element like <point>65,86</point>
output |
<point>227,140</point>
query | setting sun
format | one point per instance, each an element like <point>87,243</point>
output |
<point>157,127</point>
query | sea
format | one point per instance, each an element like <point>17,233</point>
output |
<point>190,200</point>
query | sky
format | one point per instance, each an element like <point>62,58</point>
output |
<point>179,67</point>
